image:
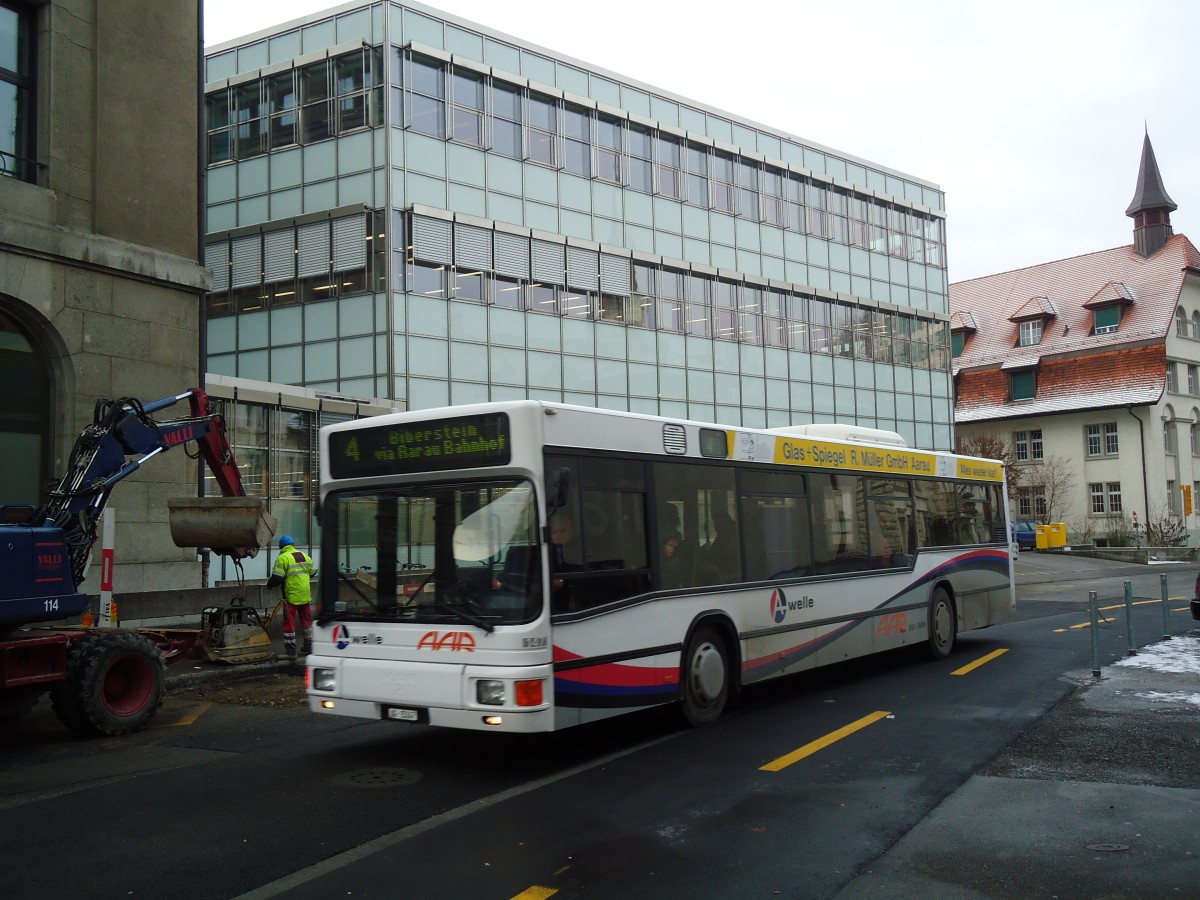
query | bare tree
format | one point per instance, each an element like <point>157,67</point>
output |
<point>989,446</point>
<point>1165,528</point>
<point>1055,480</point>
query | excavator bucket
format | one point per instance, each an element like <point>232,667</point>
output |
<point>229,526</point>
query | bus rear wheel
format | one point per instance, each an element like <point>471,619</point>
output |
<point>943,624</point>
<point>705,677</point>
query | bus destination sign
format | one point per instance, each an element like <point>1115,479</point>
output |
<point>396,449</point>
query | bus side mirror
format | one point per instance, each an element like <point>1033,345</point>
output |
<point>557,482</point>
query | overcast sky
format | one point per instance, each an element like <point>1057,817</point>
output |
<point>1029,115</point>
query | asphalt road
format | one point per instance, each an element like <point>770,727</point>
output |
<point>225,801</point>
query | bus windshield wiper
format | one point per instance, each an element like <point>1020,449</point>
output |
<point>464,611</point>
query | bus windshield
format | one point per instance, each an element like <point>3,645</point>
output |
<point>466,553</point>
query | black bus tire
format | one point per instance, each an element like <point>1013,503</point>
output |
<point>943,624</point>
<point>114,684</point>
<point>704,677</point>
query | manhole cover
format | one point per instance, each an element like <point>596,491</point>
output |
<point>1108,847</point>
<point>378,778</point>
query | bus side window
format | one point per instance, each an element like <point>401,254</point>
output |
<point>775,525</point>
<point>996,492</point>
<point>686,494</point>
<point>975,525</point>
<point>611,534</point>
<point>936,514</point>
<point>889,513</point>
<point>614,530</point>
<point>839,523</point>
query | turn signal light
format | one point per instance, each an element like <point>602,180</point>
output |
<point>528,693</point>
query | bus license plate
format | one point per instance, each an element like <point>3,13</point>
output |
<point>403,715</point>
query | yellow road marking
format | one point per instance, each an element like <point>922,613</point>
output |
<point>983,660</point>
<point>189,719</point>
<point>821,743</point>
<point>536,893</point>
<point>1122,606</point>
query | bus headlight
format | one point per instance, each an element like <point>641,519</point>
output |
<point>323,679</point>
<point>490,692</point>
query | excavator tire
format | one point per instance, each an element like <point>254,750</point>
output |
<point>114,684</point>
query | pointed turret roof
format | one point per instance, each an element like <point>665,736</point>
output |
<point>1150,193</point>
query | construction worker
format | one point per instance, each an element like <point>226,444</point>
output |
<point>293,570</point>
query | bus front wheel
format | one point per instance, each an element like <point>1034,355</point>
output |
<point>705,677</point>
<point>943,625</point>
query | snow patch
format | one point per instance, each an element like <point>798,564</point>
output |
<point>1170,697</point>
<point>1179,655</point>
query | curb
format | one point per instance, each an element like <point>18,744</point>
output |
<point>192,673</point>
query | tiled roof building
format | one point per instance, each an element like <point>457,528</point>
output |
<point>1089,367</point>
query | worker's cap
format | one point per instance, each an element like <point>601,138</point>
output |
<point>285,539</point>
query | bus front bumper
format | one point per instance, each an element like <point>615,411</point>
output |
<point>428,693</point>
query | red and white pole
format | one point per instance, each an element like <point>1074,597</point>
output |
<point>108,528</point>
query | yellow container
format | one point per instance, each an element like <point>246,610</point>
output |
<point>1058,534</point>
<point>1041,536</point>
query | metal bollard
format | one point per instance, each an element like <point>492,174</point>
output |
<point>1166,612</point>
<point>1132,651</point>
<point>1094,613</point>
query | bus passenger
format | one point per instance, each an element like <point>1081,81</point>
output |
<point>562,532</point>
<point>673,562</point>
<point>562,549</point>
<point>722,555</point>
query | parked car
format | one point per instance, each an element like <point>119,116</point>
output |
<point>1195,602</point>
<point>1024,534</point>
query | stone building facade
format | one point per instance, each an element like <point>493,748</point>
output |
<point>100,279</point>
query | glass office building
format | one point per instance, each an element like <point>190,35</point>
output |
<point>411,210</point>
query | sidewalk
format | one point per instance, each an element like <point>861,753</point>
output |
<point>1099,799</point>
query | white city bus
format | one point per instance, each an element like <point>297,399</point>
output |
<point>528,566</point>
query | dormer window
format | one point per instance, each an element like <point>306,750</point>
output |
<point>1106,305</point>
<point>1030,333</point>
<point>1031,320</point>
<point>962,326</point>
<point>1106,319</point>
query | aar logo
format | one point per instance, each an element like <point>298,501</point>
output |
<point>455,641</point>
